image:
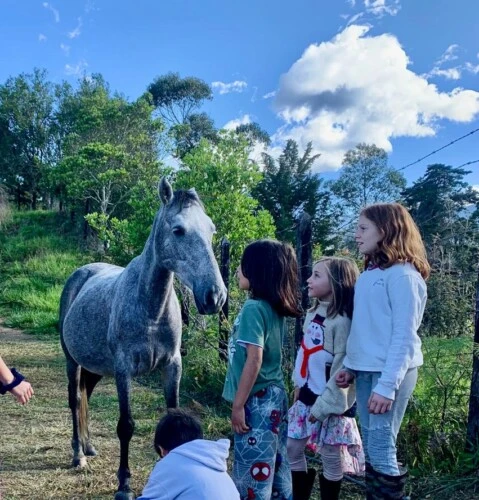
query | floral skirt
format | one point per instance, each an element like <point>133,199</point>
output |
<point>335,430</point>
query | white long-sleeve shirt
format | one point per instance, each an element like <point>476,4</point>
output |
<point>388,309</point>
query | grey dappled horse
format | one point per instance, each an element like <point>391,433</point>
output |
<point>126,321</point>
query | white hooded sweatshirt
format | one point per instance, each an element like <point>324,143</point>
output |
<point>193,471</point>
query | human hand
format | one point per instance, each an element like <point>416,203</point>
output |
<point>296,394</point>
<point>312,418</point>
<point>344,379</point>
<point>22,392</point>
<point>238,420</point>
<point>379,404</point>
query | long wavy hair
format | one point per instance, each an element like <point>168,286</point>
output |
<point>401,240</point>
<point>342,274</point>
<point>272,271</point>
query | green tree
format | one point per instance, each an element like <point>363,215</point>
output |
<point>288,187</point>
<point>366,178</point>
<point>445,209</point>
<point>253,133</point>
<point>26,148</point>
<point>109,146</point>
<point>442,202</point>
<point>178,100</point>
<point>224,178</point>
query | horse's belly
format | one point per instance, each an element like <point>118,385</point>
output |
<point>85,337</point>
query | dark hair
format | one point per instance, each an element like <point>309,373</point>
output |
<point>401,240</point>
<point>342,274</point>
<point>272,271</point>
<point>177,427</point>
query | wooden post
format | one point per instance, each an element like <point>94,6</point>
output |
<point>472,443</point>
<point>223,331</point>
<point>304,254</point>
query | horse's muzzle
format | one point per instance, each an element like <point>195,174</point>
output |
<point>211,300</point>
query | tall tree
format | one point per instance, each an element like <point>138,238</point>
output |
<point>289,186</point>
<point>254,133</point>
<point>366,178</point>
<point>445,209</point>
<point>109,145</point>
<point>26,147</point>
<point>442,202</point>
<point>178,100</point>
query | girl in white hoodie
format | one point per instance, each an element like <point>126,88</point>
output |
<point>383,351</point>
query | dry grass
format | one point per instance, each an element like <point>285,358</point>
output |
<point>35,449</point>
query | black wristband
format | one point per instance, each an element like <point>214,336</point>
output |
<point>18,377</point>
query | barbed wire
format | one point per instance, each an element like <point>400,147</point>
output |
<point>437,151</point>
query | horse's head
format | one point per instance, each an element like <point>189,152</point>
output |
<point>183,234</point>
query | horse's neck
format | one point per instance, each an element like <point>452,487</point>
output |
<point>155,283</point>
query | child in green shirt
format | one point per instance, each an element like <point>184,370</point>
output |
<point>254,381</point>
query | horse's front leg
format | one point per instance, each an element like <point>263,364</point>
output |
<point>171,375</point>
<point>125,428</point>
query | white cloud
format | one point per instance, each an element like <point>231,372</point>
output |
<point>269,95</point>
<point>42,37</point>
<point>381,7</point>
<point>475,187</point>
<point>449,55</point>
<point>232,124</point>
<point>54,11</point>
<point>76,69</point>
<point>473,68</point>
<point>375,8</point>
<point>359,88</point>
<point>65,49</point>
<point>226,88</point>
<point>450,73</point>
<point>77,31</point>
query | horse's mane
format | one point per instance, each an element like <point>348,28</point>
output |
<point>184,198</point>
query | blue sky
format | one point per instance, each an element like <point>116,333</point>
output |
<point>402,74</point>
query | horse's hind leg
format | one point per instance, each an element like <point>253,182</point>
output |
<point>75,403</point>
<point>125,428</point>
<point>89,381</point>
<point>171,375</point>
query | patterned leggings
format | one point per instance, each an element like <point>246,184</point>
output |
<point>261,469</point>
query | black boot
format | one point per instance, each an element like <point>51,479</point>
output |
<point>329,489</point>
<point>303,484</point>
<point>381,486</point>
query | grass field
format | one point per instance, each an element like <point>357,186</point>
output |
<point>37,253</point>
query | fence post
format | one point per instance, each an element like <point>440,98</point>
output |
<point>472,443</point>
<point>223,315</point>
<point>185,314</point>
<point>304,254</point>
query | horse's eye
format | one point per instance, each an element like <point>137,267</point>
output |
<point>179,231</point>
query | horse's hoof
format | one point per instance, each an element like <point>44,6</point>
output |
<point>124,495</point>
<point>90,451</point>
<point>79,463</point>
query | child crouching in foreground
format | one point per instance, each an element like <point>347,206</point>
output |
<point>191,468</point>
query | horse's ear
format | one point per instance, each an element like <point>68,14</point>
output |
<point>165,191</point>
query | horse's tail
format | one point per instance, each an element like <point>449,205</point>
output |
<point>83,410</point>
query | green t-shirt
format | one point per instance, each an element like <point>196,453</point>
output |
<point>259,324</point>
